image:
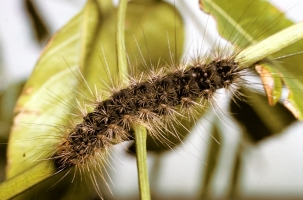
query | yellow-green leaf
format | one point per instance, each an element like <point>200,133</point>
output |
<point>253,21</point>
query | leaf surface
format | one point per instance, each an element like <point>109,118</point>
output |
<point>251,22</point>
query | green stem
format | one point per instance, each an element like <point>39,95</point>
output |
<point>270,45</point>
<point>140,131</point>
<point>120,44</point>
<point>140,140</point>
<point>27,179</point>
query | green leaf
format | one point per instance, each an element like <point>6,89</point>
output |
<point>8,98</point>
<point>254,21</point>
<point>258,118</point>
<point>39,27</point>
<point>26,180</point>
<point>155,34</point>
<point>72,47</point>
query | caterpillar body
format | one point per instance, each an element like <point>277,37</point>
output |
<point>154,101</point>
<point>144,103</point>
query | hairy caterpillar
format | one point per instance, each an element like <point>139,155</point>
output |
<point>193,90</point>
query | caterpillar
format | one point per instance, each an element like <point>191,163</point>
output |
<point>150,100</point>
<point>145,102</point>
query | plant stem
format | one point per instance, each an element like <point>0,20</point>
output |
<point>120,44</point>
<point>270,45</point>
<point>140,131</point>
<point>25,180</point>
<point>140,140</point>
